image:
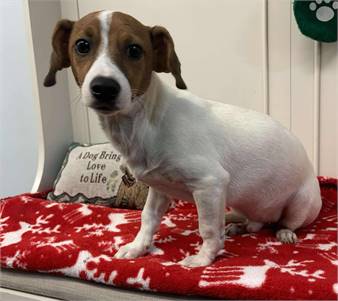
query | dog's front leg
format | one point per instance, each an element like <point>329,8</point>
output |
<point>209,196</point>
<point>155,207</point>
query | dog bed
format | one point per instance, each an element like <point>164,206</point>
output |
<point>80,241</point>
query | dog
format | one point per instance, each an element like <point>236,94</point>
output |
<point>179,144</point>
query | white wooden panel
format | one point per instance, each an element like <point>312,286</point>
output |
<point>302,88</point>
<point>329,111</point>
<point>219,45</point>
<point>279,26</point>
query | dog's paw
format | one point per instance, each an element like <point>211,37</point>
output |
<point>130,251</point>
<point>286,236</point>
<point>196,261</point>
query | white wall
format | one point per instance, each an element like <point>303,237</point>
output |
<point>18,117</point>
<point>249,53</point>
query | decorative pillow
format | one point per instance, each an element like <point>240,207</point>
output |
<point>95,174</point>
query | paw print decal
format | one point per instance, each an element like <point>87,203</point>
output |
<point>324,9</point>
<point>317,19</point>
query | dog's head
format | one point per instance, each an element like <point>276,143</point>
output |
<point>112,56</point>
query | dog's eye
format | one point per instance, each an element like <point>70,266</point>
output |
<point>134,51</point>
<point>82,46</point>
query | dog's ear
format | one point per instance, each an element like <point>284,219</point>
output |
<point>165,58</point>
<point>59,58</point>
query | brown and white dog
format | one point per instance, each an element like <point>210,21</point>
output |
<point>179,144</point>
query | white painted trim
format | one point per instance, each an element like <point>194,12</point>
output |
<point>266,56</point>
<point>35,89</point>
<point>316,107</point>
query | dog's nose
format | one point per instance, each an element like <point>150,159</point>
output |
<point>104,88</point>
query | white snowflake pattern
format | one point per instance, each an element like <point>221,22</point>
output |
<point>48,230</point>
<point>59,246</point>
<point>78,213</point>
<point>197,246</point>
<point>184,217</point>
<point>3,222</point>
<point>13,237</point>
<point>91,230</point>
<point>319,246</point>
<point>254,276</point>
<point>106,246</point>
<point>330,218</point>
<point>60,206</point>
<point>140,280</point>
<point>246,276</point>
<point>269,245</point>
<point>163,240</point>
<point>25,199</point>
<point>331,257</point>
<point>168,222</point>
<point>292,267</point>
<point>80,266</point>
<point>17,260</point>
<point>118,219</point>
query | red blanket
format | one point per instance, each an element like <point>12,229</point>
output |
<point>80,241</point>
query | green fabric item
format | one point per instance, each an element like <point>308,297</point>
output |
<point>317,19</point>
